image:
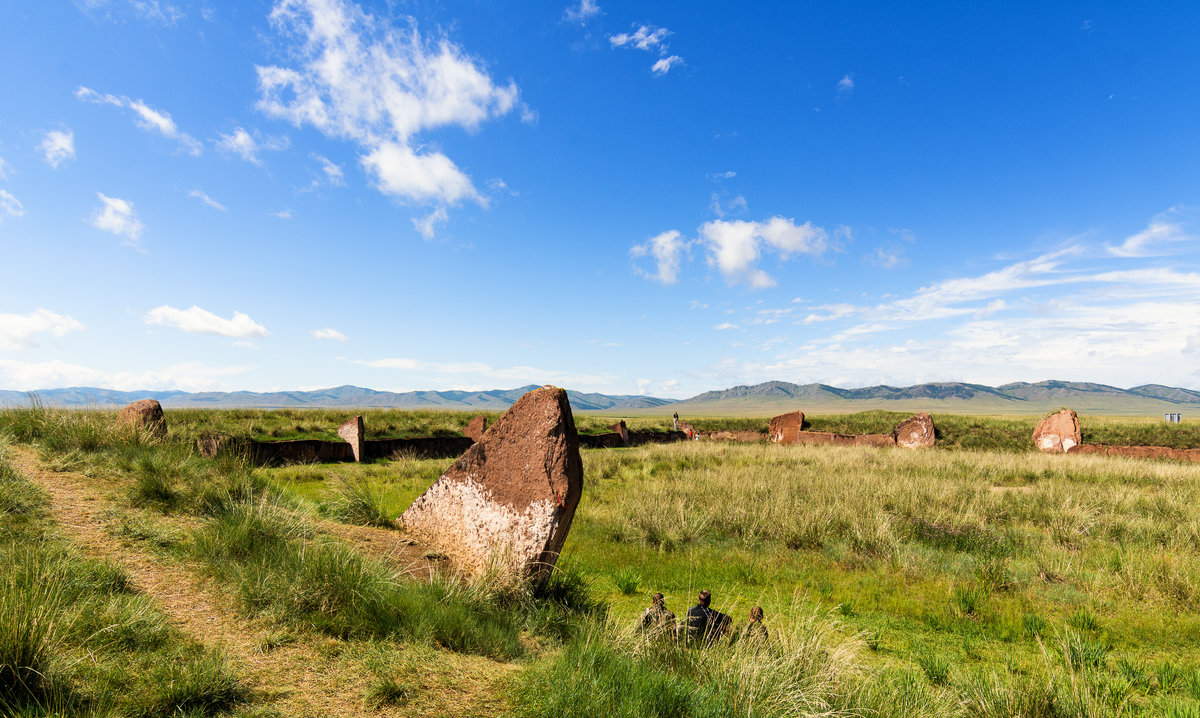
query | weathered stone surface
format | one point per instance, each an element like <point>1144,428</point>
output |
<point>146,414</point>
<point>915,432</point>
<point>213,444</point>
<point>686,428</point>
<point>1058,432</point>
<point>783,428</point>
<point>511,497</point>
<point>621,429</point>
<point>475,428</point>
<point>354,434</point>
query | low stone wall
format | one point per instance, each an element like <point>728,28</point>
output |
<point>1137,452</point>
<point>313,451</point>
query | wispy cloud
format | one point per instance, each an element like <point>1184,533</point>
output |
<point>117,216</point>
<point>664,64</point>
<point>845,85</point>
<point>162,13</point>
<point>1162,236</point>
<point>19,331</point>
<point>188,376</point>
<point>582,12</point>
<point>328,334</point>
<point>203,197</point>
<point>649,39</point>
<point>481,371</point>
<point>427,225</point>
<point>282,214</point>
<point>58,146</point>
<point>145,117</point>
<point>331,171</point>
<point>248,146</point>
<point>10,206</point>
<point>201,321</point>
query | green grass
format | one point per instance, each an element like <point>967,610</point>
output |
<point>75,639</point>
<point>982,579</point>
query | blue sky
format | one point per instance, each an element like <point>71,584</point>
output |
<point>622,197</point>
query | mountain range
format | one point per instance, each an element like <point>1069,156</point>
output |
<point>759,399</point>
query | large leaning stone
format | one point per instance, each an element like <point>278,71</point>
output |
<point>355,435</point>
<point>147,415</point>
<point>915,432</point>
<point>475,428</point>
<point>783,428</point>
<point>1058,432</point>
<point>510,499</point>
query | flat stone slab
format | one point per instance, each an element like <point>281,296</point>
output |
<point>475,428</point>
<point>509,500</point>
<point>1058,432</point>
<point>915,432</point>
<point>355,435</point>
<point>783,428</point>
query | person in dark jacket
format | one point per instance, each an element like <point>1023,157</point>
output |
<point>703,623</point>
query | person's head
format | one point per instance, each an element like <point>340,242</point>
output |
<point>756,613</point>
<point>656,599</point>
<point>705,597</point>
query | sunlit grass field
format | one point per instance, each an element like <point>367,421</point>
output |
<point>981,578</point>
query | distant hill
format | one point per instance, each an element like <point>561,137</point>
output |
<point>951,397</point>
<point>337,397</point>
<point>757,400</point>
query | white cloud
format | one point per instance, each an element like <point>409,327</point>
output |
<point>728,174</point>
<point>725,325</point>
<point>117,216</point>
<point>887,258</point>
<point>203,197</point>
<point>5,168</point>
<point>247,146</point>
<point>17,331</point>
<point>644,37</point>
<point>145,117</point>
<point>428,177</point>
<point>427,224</point>
<point>189,376</point>
<point>846,84</point>
<point>10,206</point>
<point>1155,239</point>
<point>332,171</point>
<point>664,65</point>
<point>201,321</point>
<point>667,249</point>
<point>356,76</point>
<point>329,334</point>
<point>735,246</point>
<point>282,214</point>
<point>58,147</point>
<point>581,13</point>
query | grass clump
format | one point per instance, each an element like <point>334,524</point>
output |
<point>359,502</point>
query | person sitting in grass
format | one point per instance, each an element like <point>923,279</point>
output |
<point>703,623</point>
<point>755,631</point>
<point>657,619</point>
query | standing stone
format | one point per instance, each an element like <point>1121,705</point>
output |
<point>915,432</point>
<point>783,428</point>
<point>511,497</point>
<point>621,429</point>
<point>147,415</point>
<point>354,434</point>
<point>475,428</point>
<point>1058,432</point>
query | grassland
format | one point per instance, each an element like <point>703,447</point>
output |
<point>978,579</point>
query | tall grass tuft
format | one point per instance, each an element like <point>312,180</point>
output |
<point>357,502</point>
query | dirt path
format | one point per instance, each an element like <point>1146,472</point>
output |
<point>303,678</point>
